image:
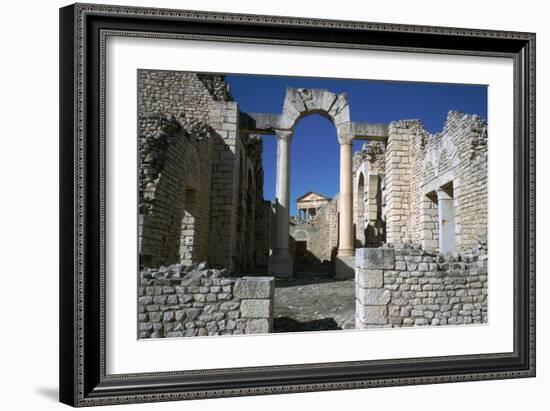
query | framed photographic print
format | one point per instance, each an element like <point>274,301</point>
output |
<point>260,204</point>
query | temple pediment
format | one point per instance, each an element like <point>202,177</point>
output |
<point>311,196</point>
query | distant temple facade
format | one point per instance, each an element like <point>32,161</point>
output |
<point>308,205</point>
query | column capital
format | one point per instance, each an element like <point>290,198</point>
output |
<point>345,132</point>
<point>284,134</point>
<point>345,139</point>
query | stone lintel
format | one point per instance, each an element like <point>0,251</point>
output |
<point>258,123</point>
<point>364,131</point>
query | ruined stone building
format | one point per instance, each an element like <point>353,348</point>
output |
<point>201,180</point>
<point>309,204</point>
<point>409,222</point>
<point>414,188</point>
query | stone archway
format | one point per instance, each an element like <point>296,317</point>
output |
<point>299,103</point>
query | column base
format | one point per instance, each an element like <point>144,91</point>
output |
<point>346,252</point>
<point>344,267</point>
<point>280,266</point>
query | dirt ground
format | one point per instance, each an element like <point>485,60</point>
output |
<point>310,303</point>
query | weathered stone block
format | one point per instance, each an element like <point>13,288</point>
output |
<point>192,313</point>
<point>372,314</point>
<point>257,326</point>
<point>373,296</point>
<point>229,305</point>
<point>233,314</point>
<point>155,316</point>
<point>145,326</point>
<point>254,287</point>
<point>255,308</point>
<point>370,278</point>
<point>375,258</point>
<point>145,300</point>
<point>180,315</point>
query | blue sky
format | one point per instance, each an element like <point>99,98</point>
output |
<point>315,149</point>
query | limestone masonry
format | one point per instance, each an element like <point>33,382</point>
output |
<point>407,286</point>
<point>409,222</point>
<point>187,301</point>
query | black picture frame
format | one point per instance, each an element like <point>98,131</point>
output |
<point>83,381</point>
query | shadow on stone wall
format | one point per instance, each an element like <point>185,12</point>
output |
<point>286,324</point>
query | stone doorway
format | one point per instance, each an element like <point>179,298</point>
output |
<point>300,252</point>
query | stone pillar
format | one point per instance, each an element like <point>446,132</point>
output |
<point>345,246</point>
<point>398,169</point>
<point>345,261</point>
<point>222,237</point>
<point>371,297</point>
<point>280,263</point>
<point>446,208</point>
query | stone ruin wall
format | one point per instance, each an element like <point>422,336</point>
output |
<point>175,150</point>
<point>179,94</point>
<point>237,187</point>
<point>188,301</point>
<point>265,219</point>
<point>406,286</point>
<point>368,202</point>
<point>418,163</point>
<point>409,283</point>
<point>321,233</point>
<point>251,207</point>
<point>174,179</point>
<point>194,173</point>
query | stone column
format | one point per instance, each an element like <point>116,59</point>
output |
<point>345,260</point>
<point>280,263</point>
<point>345,246</point>
<point>446,210</point>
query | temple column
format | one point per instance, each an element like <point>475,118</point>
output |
<point>345,258</point>
<point>345,243</point>
<point>280,263</point>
